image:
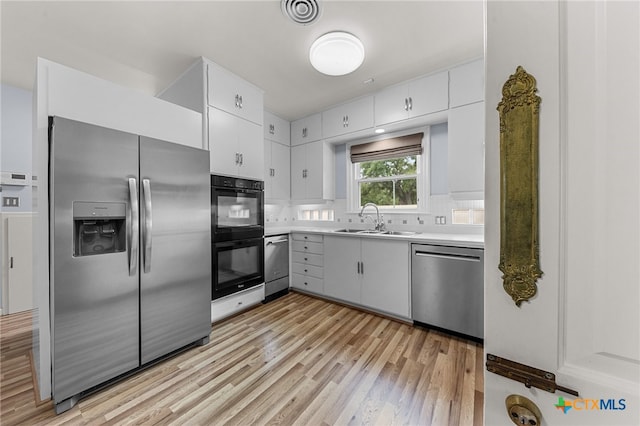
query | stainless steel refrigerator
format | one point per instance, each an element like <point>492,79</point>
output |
<point>130,253</point>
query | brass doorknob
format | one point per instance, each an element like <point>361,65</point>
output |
<point>522,411</point>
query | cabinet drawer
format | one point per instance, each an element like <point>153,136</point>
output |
<point>315,285</point>
<point>316,238</point>
<point>229,305</point>
<point>308,270</point>
<point>308,258</point>
<point>307,247</point>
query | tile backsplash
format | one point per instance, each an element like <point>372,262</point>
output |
<point>438,220</point>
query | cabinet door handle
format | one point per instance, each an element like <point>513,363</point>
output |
<point>241,157</point>
<point>346,121</point>
<point>240,101</point>
<point>362,268</point>
<point>272,129</point>
<point>410,103</point>
<point>237,101</point>
<point>358,267</point>
<point>11,263</point>
<point>406,104</point>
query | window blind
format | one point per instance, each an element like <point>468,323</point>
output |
<point>387,148</point>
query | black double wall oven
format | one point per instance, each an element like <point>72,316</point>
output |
<point>237,233</point>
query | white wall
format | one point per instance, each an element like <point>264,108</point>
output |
<point>15,146</point>
<point>15,156</point>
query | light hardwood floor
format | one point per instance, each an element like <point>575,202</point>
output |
<point>297,360</point>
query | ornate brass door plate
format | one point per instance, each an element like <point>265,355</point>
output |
<point>519,121</point>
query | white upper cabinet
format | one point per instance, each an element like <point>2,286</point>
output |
<point>277,158</point>
<point>466,131</point>
<point>466,84</point>
<point>422,96</point>
<point>234,95</point>
<point>466,151</point>
<point>233,113</point>
<point>236,147</point>
<point>347,118</point>
<point>276,129</point>
<point>308,129</point>
<point>312,171</point>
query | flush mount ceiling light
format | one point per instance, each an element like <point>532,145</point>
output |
<point>336,53</point>
<point>302,12</point>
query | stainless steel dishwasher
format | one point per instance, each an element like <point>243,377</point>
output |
<point>447,288</point>
<point>276,266</point>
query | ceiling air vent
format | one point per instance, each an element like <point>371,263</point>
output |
<point>302,12</point>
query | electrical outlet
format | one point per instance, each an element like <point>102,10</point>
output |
<point>10,201</point>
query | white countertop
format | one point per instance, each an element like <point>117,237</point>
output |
<point>450,239</point>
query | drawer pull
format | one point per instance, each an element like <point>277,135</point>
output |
<point>306,270</point>
<point>306,258</point>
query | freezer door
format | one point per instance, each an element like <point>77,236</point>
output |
<point>94,277</point>
<point>175,244</point>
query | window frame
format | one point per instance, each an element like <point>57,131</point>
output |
<point>422,175</point>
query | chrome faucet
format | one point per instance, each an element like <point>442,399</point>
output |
<point>379,221</point>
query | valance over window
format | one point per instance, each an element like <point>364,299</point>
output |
<point>387,148</point>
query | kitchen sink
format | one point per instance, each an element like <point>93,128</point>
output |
<point>400,233</point>
<point>373,231</point>
<point>359,231</point>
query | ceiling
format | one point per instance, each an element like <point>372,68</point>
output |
<point>145,45</point>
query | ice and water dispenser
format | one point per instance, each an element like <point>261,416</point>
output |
<point>99,228</point>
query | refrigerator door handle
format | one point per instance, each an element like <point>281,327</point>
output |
<point>146,230</point>
<point>132,226</point>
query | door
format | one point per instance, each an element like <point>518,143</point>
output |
<point>19,244</point>
<point>385,274</point>
<point>582,325</point>
<point>94,272</point>
<point>314,170</point>
<point>175,247</point>
<point>298,165</point>
<point>224,148</point>
<point>342,276</point>
<point>238,265</point>
<point>281,180</point>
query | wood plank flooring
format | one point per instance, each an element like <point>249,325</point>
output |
<point>298,360</point>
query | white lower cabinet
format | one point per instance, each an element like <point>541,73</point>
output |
<point>307,267</point>
<point>372,273</point>
<point>343,278</point>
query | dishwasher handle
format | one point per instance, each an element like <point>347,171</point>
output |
<point>456,256</point>
<point>286,240</point>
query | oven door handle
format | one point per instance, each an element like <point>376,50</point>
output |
<point>259,242</point>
